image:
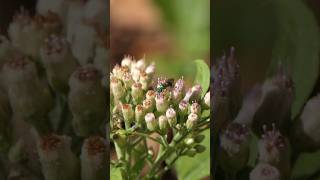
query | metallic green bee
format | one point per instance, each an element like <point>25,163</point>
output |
<point>164,84</point>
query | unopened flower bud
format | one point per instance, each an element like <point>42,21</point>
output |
<point>195,108</point>
<point>93,155</point>
<point>128,113</point>
<point>264,171</point>
<point>150,70</point>
<point>151,95</point>
<point>199,138</point>
<point>189,141</point>
<point>274,149</point>
<point>206,100</point>
<point>191,152</point>
<point>178,90</point>
<point>117,88</point>
<point>199,148</point>
<point>172,117</point>
<point>87,100</point>
<point>126,61</point>
<point>144,80</point>
<point>59,62</point>
<point>127,80</point>
<point>163,123</point>
<point>162,102</point>
<point>183,108</point>
<point>56,156</point>
<point>141,64</point>
<point>28,95</point>
<point>235,147</point>
<point>137,92</point>
<point>26,34</point>
<point>196,92</point>
<point>192,121</point>
<point>151,121</point>
<point>148,105</point>
<point>139,113</point>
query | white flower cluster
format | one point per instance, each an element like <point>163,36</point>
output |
<point>156,106</point>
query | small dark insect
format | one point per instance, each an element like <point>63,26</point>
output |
<point>164,84</point>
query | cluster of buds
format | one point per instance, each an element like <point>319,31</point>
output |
<point>157,107</point>
<point>265,112</point>
<point>52,94</point>
<point>149,105</point>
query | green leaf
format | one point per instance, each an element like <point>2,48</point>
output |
<point>194,168</point>
<point>202,75</point>
<point>306,165</point>
<point>297,47</point>
<point>115,173</point>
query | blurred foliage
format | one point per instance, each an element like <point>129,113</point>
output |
<point>188,24</point>
<point>194,168</point>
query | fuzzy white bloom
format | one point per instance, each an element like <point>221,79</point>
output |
<point>56,157</point>
<point>93,158</point>
<point>73,18</point>
<point>59,62</point>
<point>26,34</point>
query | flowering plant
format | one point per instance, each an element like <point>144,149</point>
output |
<point>162,112</point>
<point>52,99</point>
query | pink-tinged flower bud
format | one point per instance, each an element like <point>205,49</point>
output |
<point>206,100</point>
<point>59,62</point>
<point>139,114</point>
<point>235,141</point>
<point>127,80</point>
<point>183,108</point>
<point>128,113</point>
<point>195,108</point>
<point>178,90</point>
<point>137,93</point>
<point>26,34</point>
<point>29,97</point>
<point>276,103</point>
<point>151,121</point>
<point>93,159</point>
<point>196,92</point>
<point>87,100</point>
<point>151,95</point>
<point>83,43</point>
<point>192,121</point>
<point>127,61</point>
<point>56,156</point>
<point>274,149</point>
<point>162,101</point>
<point>117,88</point>
<point>264,171</point>
<point>172,117</point>
<point>148,105</point>
<point>163,123</point>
